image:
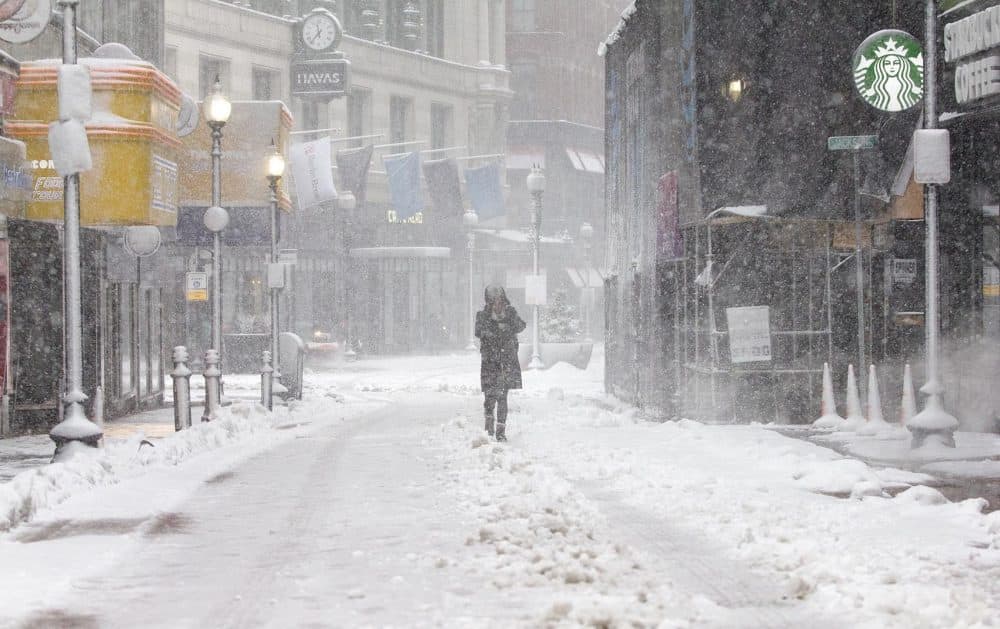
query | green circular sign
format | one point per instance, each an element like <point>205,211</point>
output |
<point>889,70</point>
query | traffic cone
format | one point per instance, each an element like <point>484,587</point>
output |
<point>876,421</point>
<point>909,408</point>
<point>855,416</point>
<point>829,417</point>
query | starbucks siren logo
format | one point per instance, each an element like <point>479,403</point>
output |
<point>889,70</point>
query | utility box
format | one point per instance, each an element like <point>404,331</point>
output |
<point>132,139</point>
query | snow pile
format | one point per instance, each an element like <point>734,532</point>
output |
<point>34,490</point>
<point>535,531</point>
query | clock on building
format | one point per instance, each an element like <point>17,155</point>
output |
<point>320,31</point>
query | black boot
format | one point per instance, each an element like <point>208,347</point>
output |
<point>489,425</point>
<point>501,432</point>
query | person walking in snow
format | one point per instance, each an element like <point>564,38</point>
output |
<point>497,326</point>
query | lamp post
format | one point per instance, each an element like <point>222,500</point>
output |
<point>470,219</point>
<point>217,110</point>
<point>536,187</point>
<point>934,420</point>
<point>347,202</point>
<point>75,427</point>
<point>586,234</point>
<point>275,170</point>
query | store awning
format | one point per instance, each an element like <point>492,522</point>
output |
<point>585,161</point>
<point>585,277</point>
<point>525,157</point>
<point>401,252</point>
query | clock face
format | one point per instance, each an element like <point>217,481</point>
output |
<point>319,32</point>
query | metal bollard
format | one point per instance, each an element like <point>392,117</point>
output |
<point>182,389</point>
<point>266,374</point>
<point>212,377</point>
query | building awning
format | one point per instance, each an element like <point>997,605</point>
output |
<point>585,277</point>
<point>525,157</point>
<point>585,161</point>
<point>401,252</point>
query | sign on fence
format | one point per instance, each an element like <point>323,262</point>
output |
<point>749,334</point>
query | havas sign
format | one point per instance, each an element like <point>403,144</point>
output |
<point>979,77</point>
<point>889,70</point>
<point>320,78</point>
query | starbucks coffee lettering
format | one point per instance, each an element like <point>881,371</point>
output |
<point>976,33</point>
<point>976,78</point>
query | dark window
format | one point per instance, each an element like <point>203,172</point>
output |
<point>441,121</point>
<point>265,84</point>
<point>400,113</point>
<point>435,27</point>
<point>359,114</point>
<point>208,69</point>
<point>522,15</point>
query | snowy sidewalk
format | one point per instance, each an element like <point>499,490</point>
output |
<point>381,502</point>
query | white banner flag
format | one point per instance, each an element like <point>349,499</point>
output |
<point>312,171</point>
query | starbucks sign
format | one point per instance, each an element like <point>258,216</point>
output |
<point>889,70</point>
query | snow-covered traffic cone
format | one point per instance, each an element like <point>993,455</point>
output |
<point>909,407</point>
<point>828,411</point>
<point>855,416</point>
<point>876,421</point>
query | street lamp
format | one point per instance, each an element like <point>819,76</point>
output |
<point>470,219</point>
<point>217,110</point>
<point>347,202</point>
<point>75,427</point>
<point>275,169</point>
<point>536,187</point>
<point>586,234</point>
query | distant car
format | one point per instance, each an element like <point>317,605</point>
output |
<point>321,347</point>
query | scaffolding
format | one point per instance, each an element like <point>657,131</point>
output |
<point>741,258</point>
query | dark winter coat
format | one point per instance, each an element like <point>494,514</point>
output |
<point>500,368</point>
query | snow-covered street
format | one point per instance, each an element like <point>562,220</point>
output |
<point>379,501</point>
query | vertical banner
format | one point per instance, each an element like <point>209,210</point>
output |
<point>352,167</point>
<point>404,184</point>
<point>312,171</point>
<point>485,190</point>
<point>669,243</point>
<point>444,188</point>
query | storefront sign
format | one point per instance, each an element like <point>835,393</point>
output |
<point>904,271</point>
<point>22,21</point>
<point>979,78</point>
<point>889,70</point>
<point>320,78</point>
<point>749,334</point>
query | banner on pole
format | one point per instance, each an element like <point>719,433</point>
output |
<point>352,167</point>
<point>312,171</point>
<point>485,190</point>
<point>404,184</point>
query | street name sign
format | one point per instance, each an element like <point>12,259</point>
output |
<point>851,142</point>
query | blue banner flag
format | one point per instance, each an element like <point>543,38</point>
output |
<point>485,190</point>
<point>404,184</point>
